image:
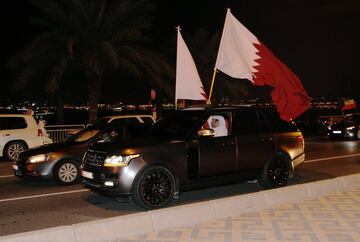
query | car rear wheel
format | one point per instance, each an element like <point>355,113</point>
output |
<point>13,150</point>
<point>66,172</point>
<point>276,172</point>
<point>154,187</point>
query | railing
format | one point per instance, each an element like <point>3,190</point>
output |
<point>59,133</point>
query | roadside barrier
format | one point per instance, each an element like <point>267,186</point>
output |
<point>59,133</point>
<point>117,228</point>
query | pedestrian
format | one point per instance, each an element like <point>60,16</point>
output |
<point>156,104</point>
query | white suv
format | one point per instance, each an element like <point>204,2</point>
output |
<point>19,132</point>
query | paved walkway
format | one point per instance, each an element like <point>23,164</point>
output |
<point>333,218</point>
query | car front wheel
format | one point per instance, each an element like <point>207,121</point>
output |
<point>154,187</point>
<point>276,172</point>
<point>66,172</point>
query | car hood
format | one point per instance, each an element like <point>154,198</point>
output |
<point>54,147</point>
<point>127,145</point>
<point>343,125</point>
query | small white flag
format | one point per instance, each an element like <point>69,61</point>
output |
<point>188,82</point>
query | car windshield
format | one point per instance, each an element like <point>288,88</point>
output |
<point>121,133</point>
<point>176,125</point>
<point>84,135</point>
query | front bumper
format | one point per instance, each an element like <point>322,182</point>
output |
<point>111,181</point>
<point>42,171</point>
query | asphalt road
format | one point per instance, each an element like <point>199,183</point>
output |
<point>31,205</point>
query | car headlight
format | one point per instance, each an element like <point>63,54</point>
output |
<point>36,159</point>
<point>350,128</point>
<point>119,160</point>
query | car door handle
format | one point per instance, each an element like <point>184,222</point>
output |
<point>228,143</point>
<point>6,135</point>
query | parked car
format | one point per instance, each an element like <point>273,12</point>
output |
<point>348,128</point>
<point>126,119</point>
<point>196,148</point>
<point>61,161</point>
<point>19,132</point>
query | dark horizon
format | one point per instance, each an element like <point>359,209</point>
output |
<point>317,39</point>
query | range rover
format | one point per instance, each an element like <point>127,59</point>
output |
<point>195,148</point>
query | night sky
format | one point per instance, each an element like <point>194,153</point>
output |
<point>318,39</point>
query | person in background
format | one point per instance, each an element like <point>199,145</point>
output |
<point>156,104</point>
<point>41,127</point>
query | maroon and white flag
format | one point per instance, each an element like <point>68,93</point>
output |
<point>188,82</point>
<point>242,55</point>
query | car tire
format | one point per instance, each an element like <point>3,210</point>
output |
<point>14,148</point>
<point>154,187</point>
<point>66,172</point>
<point>276,172</point>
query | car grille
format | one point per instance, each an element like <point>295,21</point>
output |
<point>94,158</point>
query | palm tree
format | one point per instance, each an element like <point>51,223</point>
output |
<point>94,36</point>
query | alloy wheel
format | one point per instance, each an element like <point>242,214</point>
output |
<point>68,172</point>
<point>278,172</point>
<point>156,188</point>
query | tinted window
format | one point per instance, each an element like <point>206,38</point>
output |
<point>147,120</point>
<point>246,121</point>
<point>276,123</point>
<point>176,125</point>
<point>12,123</point>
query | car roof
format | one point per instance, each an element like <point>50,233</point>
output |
<point>128,116</point>
<point>15,115</point>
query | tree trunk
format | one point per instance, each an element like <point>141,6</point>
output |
<point>94,89</point>
<point>59,108</point>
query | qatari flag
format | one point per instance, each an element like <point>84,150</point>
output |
<point>242,55</point>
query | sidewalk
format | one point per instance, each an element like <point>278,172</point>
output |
<point>334,217</point>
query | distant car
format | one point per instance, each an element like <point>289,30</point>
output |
<point>126,119</point>
<point>348,128</point>
<point>18,132</point>
<point>196,148</point>
<point>61,161</point>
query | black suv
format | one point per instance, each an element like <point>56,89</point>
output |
<point>196,148</point>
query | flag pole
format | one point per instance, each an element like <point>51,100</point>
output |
<point>212,86</point>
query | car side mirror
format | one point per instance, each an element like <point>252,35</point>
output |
<point>205,133</point>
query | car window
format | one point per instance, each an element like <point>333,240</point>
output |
<point>276,123</point>
<point>247,121</point>
<point>219,123</point>
<point>12,123</point>
<point>125,121</point>
<point>147,120</point>
<point>84,135</point>
<point>176,125</point>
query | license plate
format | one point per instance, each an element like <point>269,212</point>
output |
<point>87,174</point>
<point>15,167</point>
<point>337,132</point>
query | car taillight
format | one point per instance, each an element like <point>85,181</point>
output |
<point>40,133</point>
<point>301,139</point>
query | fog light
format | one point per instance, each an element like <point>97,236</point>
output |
<point>109,183</point>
